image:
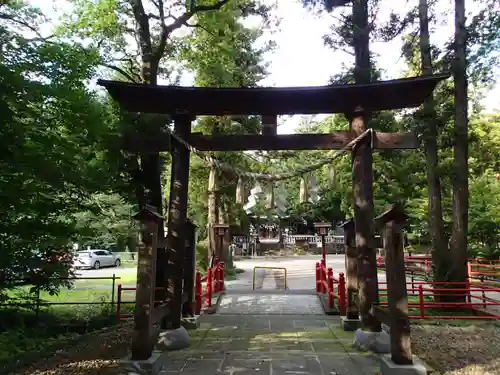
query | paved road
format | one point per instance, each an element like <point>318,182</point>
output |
<point>301,271</point>
<point>301,275</point>
<point>106,272</point>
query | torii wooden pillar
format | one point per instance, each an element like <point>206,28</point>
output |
<point>350,99</point>
<point>177,215</point>
<point>362,174</point>
<point>362,189</point>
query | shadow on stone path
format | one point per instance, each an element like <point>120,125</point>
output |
<point>250,337</point>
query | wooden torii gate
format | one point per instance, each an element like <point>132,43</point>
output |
<point>185,103</point>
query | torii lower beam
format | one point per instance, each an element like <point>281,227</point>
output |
<point>269,142</point>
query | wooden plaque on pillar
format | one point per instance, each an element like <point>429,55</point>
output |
<point>219,232</point>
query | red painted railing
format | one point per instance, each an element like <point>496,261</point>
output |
<point>477,268</point>
<point>475,299</point>
<point>326,282</point>
<point>120,302</point>
<point>214,283</point>
<point>479,298</point>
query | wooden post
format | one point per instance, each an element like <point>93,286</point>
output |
<point>176,221</point>
<point>392,222</point>
<point>142,343</point>
<point>220,231</point>
<point>189,269</point>
<point>269,125</point>
<point>217,251</point>
<point>362,181</point>
<point>240,191</point>
<point>351,266</point>
<point>213,212</point>
<point>303,190</point>
<point>270,197</point>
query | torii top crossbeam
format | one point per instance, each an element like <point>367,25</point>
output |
<point>375,96</point>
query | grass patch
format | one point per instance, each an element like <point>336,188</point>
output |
<point>14,343</point>
<point>28,333</point>
<point>31,323</point>
<point>129,263</point>
<point>232,273</point>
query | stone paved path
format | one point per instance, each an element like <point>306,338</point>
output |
<point>249,337</point>
<point>266,304</point>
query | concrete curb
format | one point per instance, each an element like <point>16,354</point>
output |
<point>324,303</point>
<point>213,309</point>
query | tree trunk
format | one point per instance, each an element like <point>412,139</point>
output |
<point>458,243</point>
<point>362,66</point>
<point>303,190</point>
<point>224,218</point>
<point>440,254</point>
<point>150,163</point>
<point>212,212</point>
<point>362,175</point>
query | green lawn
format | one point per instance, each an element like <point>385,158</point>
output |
<point>92,290</point>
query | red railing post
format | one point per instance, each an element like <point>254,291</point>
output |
<point>323,275</point>
<point>222,287</point>
<point>197,292</point>
<point>330,287</point>
<point>421,300</point>
<point>119,304</point>
<point>483,294</point>
<point>215,274</point>
<point>467,283</point>
<point>342,299</point>
<point>318,277</point>
<point>216,278</point>
<point>209,287</point>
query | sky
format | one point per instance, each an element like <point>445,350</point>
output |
<point>301,59</point>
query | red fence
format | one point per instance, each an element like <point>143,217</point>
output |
<point>429,293</point>
<point>205,288</point>
<point>120,302</point>
<point>482,301</point>
<point>214,283</point>
<point>477,268</point>
<point>326,283</point>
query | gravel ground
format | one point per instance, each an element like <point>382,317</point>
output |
<point>97,354</point>
<point>450,350</point>
<point>459,350</point>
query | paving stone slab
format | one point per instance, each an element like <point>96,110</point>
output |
<point>270,304</point>
<point>267,344</point>
<point>247,367</point>
<point>349,365</point>
<point>205,366</point>
<point>296,365</point>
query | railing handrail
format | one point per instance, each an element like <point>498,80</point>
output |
<point>216,284</point>
<point>325,282</point>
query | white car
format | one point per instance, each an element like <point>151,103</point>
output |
<point>96,259</point>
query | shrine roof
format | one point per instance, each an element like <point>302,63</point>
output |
<point>375,96</point>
